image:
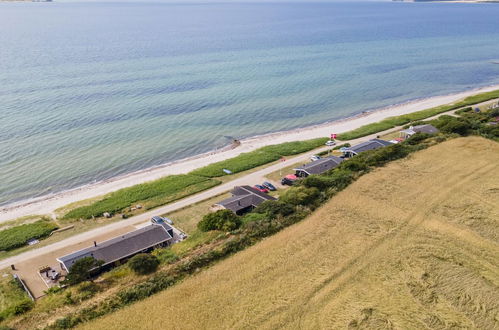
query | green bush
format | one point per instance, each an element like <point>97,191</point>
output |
<point>19,235</point>
<point>337,178</point>
<point>169,188</point>
<point>20,307</point>
<point>274,208</point>
<point>318,181</point>
<point>341,178</point>
<point>81,270</point>
<point>224,220</point>
<point>143,263</point>
<point>464,110</point>
<point>381,156</point>
<point>300,196</point>
<point>86,290</point>
<point>449,124</point>
<point>355,164</point>
<point>252,217</point>
<point>165,255</point>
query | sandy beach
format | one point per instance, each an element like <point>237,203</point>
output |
<point>47,204</point>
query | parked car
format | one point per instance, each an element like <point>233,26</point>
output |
<point>315,157</point>
<point>261,188</point>
<point>269,186</point>
<point>289,179</point>
<point>330,143</point>
<point>159,220</point>
<point>287,182</point>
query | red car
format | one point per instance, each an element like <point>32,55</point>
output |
<point>261,188</point>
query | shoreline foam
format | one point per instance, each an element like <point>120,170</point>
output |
<point>47,204</point>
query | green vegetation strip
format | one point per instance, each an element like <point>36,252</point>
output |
<point>261,156</point>
<point>18,236</point>
<point>13,299</point>
<point>392,122</point>
<point>152,193</point>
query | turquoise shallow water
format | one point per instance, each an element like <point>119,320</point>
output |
<point>93,90</point>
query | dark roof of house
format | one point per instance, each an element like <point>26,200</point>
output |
<point>369,145</point>
<point>122,246</point>
<point>430,129</point>
<point>427,128</point>
<point>321,165</point>
<point>243,197</point>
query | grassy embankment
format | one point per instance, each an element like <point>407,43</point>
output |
<point>395,121</point>
<point>411,245</point>
<point>13,299</point>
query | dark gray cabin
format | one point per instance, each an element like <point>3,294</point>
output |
<point>244,199</point>
<point>122,247</point>
<point>365,146</point>
<point>318,166</point>
<point>427,128</point>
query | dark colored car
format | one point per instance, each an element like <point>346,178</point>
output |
<point>157,219</point>
<point>287,182</point>
<point>269,186</point>
<point>261,188</point>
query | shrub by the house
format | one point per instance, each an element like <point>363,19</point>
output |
<point>143,263</point>
<point>224,220</point>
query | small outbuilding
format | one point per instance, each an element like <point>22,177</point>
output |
<point>319,166</point>
<point>244,199</point>
<point>427,128</point>
<point>365,146</point>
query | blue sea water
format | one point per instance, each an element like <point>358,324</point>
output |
<point>92,90</point>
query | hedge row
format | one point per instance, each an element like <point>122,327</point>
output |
<point>19,235</point>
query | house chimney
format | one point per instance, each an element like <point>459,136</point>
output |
<point>95,243</point>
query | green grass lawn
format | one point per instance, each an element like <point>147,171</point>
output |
<point>149,195</point>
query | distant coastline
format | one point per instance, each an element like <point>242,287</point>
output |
<point>49,203</point>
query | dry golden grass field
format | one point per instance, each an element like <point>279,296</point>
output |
<point>413,245</point>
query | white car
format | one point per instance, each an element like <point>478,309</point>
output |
<point>330,143</point>
<point>314,158</point>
